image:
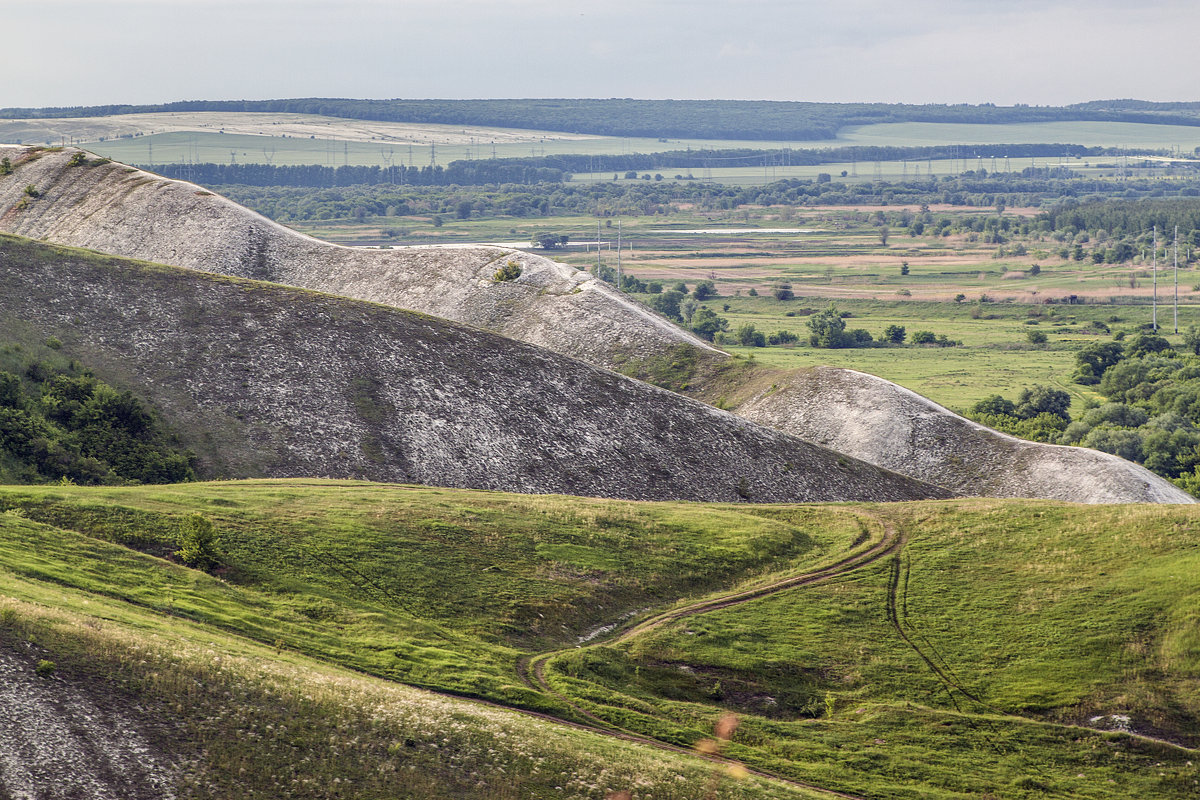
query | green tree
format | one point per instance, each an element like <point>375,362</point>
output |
<point>1146,343</point>
<point>704,290</point>
<point>784,292</point>
<point>1039,399</point>
<point>828,329</point>
<point>667,304</point>
<point>706,324</point>
<point>198,543</point>
<point>549,241</point>
<point>748,336</point>
<point>894,334</point>
<point>994,405</point>
<point>1094,359</point>
<point>1191,339</point>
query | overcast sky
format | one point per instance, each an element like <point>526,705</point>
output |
<point>1044,52</point>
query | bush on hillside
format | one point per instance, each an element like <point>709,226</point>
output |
<point>63,423</point>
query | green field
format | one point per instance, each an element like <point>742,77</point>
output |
<point>968,649</point>
<point>207,147</point>
<point>204,145</point>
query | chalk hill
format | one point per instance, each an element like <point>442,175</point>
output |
<point>885,424</point>
<point>267,380</point>
<point>121,210</point>
<point>125,211</point>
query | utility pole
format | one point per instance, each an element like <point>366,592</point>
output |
<point>1176,279</point>
<point>597,247</point>
<point>1154,269</point>
<point>618,253</point>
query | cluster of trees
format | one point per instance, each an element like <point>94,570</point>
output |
<point>675,302</point>
<point>1151,414</point>
<point>646,198</point>
<point>828,329</point>
<point>631,164</point>
<point>711,119</point>
<point>64,423</point>
<point>1118,217</point>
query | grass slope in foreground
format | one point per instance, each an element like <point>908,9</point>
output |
<point>958,665</point>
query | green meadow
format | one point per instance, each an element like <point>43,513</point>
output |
<point>969,649</point>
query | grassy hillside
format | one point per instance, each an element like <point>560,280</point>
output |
<point>219,716</point>
<point>969,649</point>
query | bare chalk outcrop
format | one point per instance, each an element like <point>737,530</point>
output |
<point>885,424</point>
<point>268,380</point>
<point>125,211</point>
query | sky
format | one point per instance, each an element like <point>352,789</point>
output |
<point>1038,52</point>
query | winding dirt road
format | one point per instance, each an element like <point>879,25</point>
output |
<point>532,669</point>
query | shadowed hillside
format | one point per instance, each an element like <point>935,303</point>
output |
<point>265,380</point>
<point>121,210</point>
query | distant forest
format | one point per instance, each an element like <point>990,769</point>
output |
<point>706,119</point>
<point>557,168</point>
<point>1029,187</point>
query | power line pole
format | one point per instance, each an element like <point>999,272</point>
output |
<point>1154,269</point>
<point>1176,279</point>
<point>618,253</point>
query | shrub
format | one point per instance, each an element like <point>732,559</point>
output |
<point>44,668</point>
<point>748,336</point>
<point>1036,337</point>
<point>994,404</point>
<point>197,543</point>
<point>924,337</point>
<point>783,337</point>
<point>784,292</point>
<point>78,159</point>
<point>31,191</point>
